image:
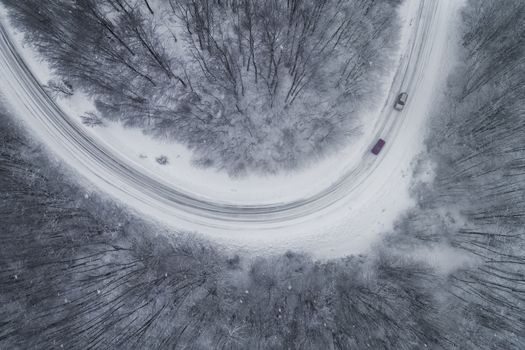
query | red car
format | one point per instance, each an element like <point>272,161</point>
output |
<point>378,146</point>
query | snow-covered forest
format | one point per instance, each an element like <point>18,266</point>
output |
<point>247,85</point>
<point>77,271</point>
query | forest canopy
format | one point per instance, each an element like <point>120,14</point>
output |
<point>248,85</point>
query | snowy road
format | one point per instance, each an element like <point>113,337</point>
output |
<point>294,224</point>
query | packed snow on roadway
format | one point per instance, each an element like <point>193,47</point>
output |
<point>356,222</point>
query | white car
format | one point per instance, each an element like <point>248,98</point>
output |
<point>401,101</point>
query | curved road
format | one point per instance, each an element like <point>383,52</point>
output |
<point>118,177</point>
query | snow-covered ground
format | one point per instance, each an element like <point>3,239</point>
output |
<point>365,205</point>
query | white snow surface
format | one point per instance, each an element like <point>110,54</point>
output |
<point>352,224</point>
